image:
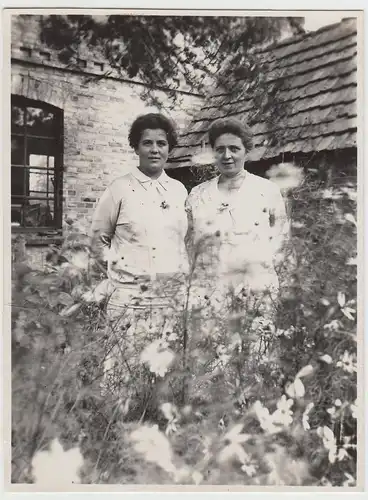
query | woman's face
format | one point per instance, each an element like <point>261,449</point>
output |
<point>153,150</point>
<point>230,153</point>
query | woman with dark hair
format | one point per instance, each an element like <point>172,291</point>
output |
<point>237,224</point>
<point>140,221</point>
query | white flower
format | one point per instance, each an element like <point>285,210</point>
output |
<point>348,312</point>
<point>354,409</point>
<point>154,446</point>
<point>350,481</point>
<point>333,326</point>
<point>346,362</point>
<point>329,442</point>
<point>57,468</point>
<point>305,371</point>
<point>286,175</point>
<point>326,358</point>
<point>283,414</point>
<point>296,389</point>
<point>351,218</point>
<point>265,419</point>
<point>352,261</point>
<point>332,411</point>
<point>197,477</point>
<point>305,416</point>
<point>250,469</point>
<point>341,299</point>
<point>158,357</point>
<point>171,414</point>
<point>342,454</point>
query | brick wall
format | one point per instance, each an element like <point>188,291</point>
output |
<point>98,112</point>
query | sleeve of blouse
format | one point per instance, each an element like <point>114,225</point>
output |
<point>104,221</point>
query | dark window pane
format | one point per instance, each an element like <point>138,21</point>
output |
<point>40,122</point>
<point>17,119</point>
<point>35,156</point>
<point>39,213</point>
<point>16,215</point>
<point>17,151</point>
<point>41,147</point>
<point>18,182</point>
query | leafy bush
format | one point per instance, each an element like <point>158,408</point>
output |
<point>209,398</point>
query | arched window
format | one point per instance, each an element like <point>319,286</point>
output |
<point>36,165</point>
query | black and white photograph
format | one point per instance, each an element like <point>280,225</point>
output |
<point>184,213</point>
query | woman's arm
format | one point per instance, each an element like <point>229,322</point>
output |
<point>104,222</point>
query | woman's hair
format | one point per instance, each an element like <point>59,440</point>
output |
<point>152,121</point>
<point>230,126</point>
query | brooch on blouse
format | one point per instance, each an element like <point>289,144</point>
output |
<point>223,206</point>
<point>164,205</point>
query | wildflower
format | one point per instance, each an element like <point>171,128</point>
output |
<point>351,218</point>
<point>342,454</point>
<point>283,414</point>
<point>329,442</point>
<point>346,362</point>
<point>350,481</point>
<point>265,419</point>
<point>305,416</point>
<point>250,469</point>
<point>285,333</point>
<point>348,312</point>
<point>48,464</point>
<point>354,409</point>
<point>297,225</point>
<point>296,389</point>
<point>171,414</point>
<point>326,358</point>
<point>333,326</point>
<point>352,261</point>
<point>286,175</point>
<point>154,446</point>
<point>341,299</point>
<point>305,371</point>
<point>158,357</point>
<point>197,477</point>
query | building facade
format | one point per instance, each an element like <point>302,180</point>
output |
<point>69,134</point>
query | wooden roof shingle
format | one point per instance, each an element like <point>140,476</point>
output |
<point>313,79</point>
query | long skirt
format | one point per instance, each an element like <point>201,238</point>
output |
<point>143,329</point>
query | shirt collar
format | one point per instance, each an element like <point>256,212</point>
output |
<point>141,177</point>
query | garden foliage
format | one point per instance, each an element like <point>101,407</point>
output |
<point>212,395</point>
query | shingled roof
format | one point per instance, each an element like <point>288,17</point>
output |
<point>315,77</point>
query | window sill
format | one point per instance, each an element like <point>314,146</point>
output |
<point>38,236</point>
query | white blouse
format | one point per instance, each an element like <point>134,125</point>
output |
<point>145,221</point>
<point>240,236</point>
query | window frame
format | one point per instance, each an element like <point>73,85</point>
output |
<point>58,169</point>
